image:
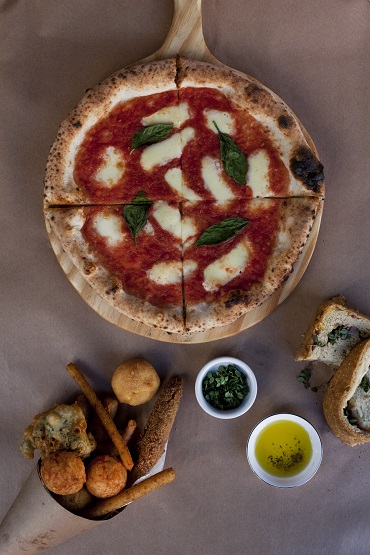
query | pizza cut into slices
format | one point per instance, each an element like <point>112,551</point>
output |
<point>237,253</point>
<point>129,254</point>
<point>161,158</point>
<point>247,142</point>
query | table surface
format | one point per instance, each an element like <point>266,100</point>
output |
<point>315,56</point>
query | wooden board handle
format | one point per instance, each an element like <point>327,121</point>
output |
<point>185,36</point>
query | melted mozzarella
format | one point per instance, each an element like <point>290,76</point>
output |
<point>189,228</point>
<point>110,228</point>
<point>175,181</point>
<point>159,154</point>
<point>168,218</point>
<point>189,267</point>
<point>226,268</point>
<point>213,180</point>
<point>170,114</point>
<point>112,168</point>
<point>258,173</point>
<point>166,273</point>
<point>224,121</point>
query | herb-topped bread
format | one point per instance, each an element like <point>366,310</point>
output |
<point>346,403</point>
<point>335,330</point>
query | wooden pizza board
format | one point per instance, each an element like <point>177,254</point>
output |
<point>186,38</point>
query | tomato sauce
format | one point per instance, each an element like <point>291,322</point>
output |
<point>249,136</point>
<point>129,263</point>
<point>117,130</point>
<point>260,233</point>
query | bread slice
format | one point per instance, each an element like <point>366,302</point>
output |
<point>346,395</point>
<point>335,330</point>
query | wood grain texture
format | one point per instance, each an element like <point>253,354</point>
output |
<point>185,37</point>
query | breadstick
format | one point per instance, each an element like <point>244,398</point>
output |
<point>105,418</point>
<point>128,431</point>
<point>156,432</point>
<point>106,506</point>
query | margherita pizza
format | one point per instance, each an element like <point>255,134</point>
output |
<point>183,192</point>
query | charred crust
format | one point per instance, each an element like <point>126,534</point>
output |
<point>89,268</point>
<point>308,169</point>
<point>255,94</point>
<point>235,298</point>
<point>285,122</point>
<point>77,124</point>
<point>112,290</point>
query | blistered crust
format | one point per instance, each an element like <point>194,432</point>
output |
<point>296,218</point>
<point>341,388</point>
<point>280,123</point>
<point>141,80</point>
<point>67,223</point>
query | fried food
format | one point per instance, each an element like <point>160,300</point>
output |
<point>135,382</point>
<point>60,428</point>
<point>106,506</point>
<point>156,432</point>
<point>106,476</point>
<point>76,502</point>
<point>105,418</point>
<point>63,472</point>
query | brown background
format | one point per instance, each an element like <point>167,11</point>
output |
<point>315,55</point>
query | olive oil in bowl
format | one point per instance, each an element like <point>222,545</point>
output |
<point>284,450</point>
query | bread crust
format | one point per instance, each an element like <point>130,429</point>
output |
<point>280,123</point>
<point>341,388</point>
<point>123,85</point>
<point>335,312</point>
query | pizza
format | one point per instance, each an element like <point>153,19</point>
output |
<point>183,192</point>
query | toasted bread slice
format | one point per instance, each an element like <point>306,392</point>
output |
<point>345,398</point>
<point>335,330</point>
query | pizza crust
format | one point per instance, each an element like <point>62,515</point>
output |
<point>142,80</point>
<point>67,223</point>
<point>296,218</point>
<point>280,123</point>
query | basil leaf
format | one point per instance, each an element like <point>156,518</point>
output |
<point>221,232</point>
<point>151,134</point>
<point>141,198</point>
<point>136,213</point>
<point>233,160</point>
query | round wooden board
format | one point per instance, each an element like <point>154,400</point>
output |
<point>185,37</point>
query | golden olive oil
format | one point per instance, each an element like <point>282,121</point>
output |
<point>283,448</point>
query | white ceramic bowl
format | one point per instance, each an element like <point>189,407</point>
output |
<point>248,400</point>
<point>285,481</point>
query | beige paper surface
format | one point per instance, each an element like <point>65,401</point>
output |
<point>315,56</point>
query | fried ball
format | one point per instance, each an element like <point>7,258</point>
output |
<point>63,472</point>
<point>135,382</point>
<point>106,476</point>
<point>75,502</point>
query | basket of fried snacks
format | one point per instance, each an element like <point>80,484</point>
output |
<point>89,468</point>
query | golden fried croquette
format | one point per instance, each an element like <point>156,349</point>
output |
<point>75,502</point>
<point>135,382</point>
<point>61,428</point>
<point>106,476</point>
<point>63,472</point>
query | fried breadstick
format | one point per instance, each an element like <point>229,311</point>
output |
<point>106,506</point>
<point>105,418</point>
<point>156,432</point>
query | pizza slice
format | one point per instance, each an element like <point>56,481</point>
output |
<point>247,143</point>
<point>129,254</point>
<point>237,253</point>
<point>126,135</point>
